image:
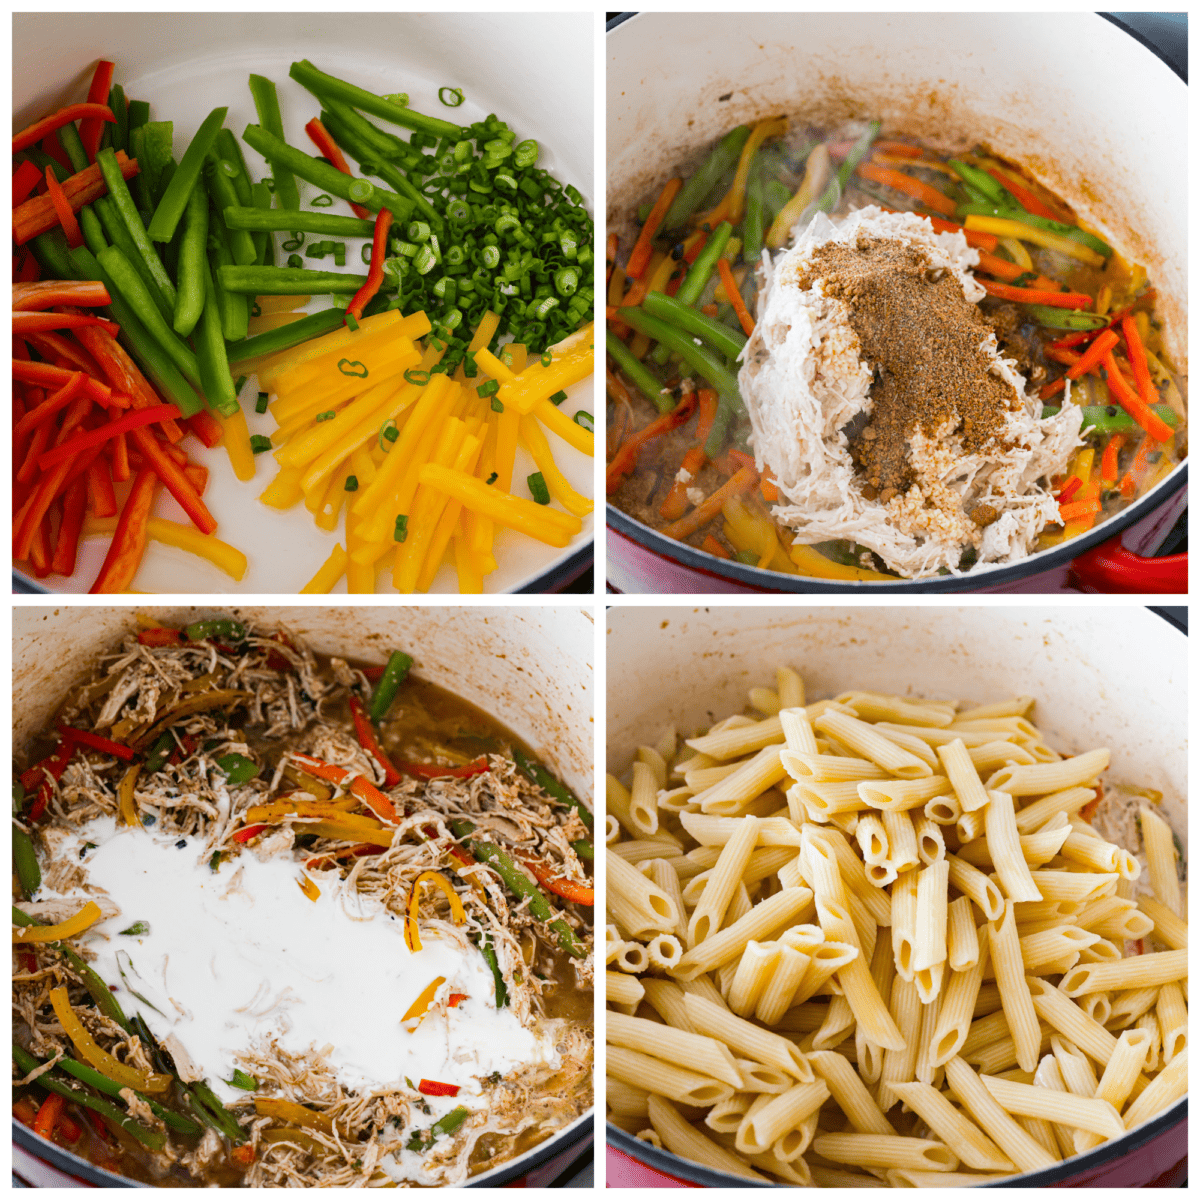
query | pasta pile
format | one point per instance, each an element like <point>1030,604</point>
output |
<point>878,937</point>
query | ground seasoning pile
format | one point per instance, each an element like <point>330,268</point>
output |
<point>923,339</point>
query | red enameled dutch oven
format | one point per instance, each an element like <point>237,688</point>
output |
<point>1114,676</point>
<point>1039,88</point>
<point>530,668</point>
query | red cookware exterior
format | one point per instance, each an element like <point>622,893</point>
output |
<point>883,61</point>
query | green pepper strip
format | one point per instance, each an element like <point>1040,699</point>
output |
<point>266,103</point>
<point>489,956</point>
<point>193,262</point>
<point>642,378</point>
<point>389,683</point>
<point>29,872</point>
<point>226,628</point>
<point>753,223</point>
<point>238,768</point>
<point>548,783</point>
<point>159,753</point>
<point>280,221</point>
<point>520,885</point>
<point>697,358</point>
<point>287,336</point>
<point>448,1124</point>
<point>1016,214</point>
<point>723,156</point>
<point>691,320</point>
<point>149,1138</point>
<point>983,182</point>
<point>171,207</point>
<point>317,82</point>
<point>1106,419</point>
<point>286,281</point>
<point>210,349</point>
<point>1061,318</point>
<point>701,270</point>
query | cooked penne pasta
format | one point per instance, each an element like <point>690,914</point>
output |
<point>799,989</point>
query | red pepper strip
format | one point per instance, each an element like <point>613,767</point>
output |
<point>62,208</point>
<point>206,427</point>
<point>247,834</point>
<point>123,374</point>
<point>923,192</point>
<point>25,178</point>
<point>51,1109</point>
<point>1074,339</point>
<point>91,128</point>
<point>1077,509</point>
<point>366,293</point>
<point>46,293</point>
<point>1070,488</point>
<point>1136,353</point>
<point>47,491</point>
<point>639,258</point>
<point>1024,196</point>
<point>35,776</point>
<point>129,542</point>
<point>96,742</point>
<point>1093,354</point>
<point>431,1087</point>
<point>456,998</point>
<point>60,350</point>
<point>560,885</point>
<point>1133,404</point>
<point>369,742</point>
<point>34,133</point>
<point>433,771</point>
<point>37,214</point>
<point>1052,389</point>
<point>101,498</point>
<point>29,271</point>
<point>160,637</point>
<point>54,148</point>
<point>73,385</point>
<point>70,1131</point>
<point>176,481</point>
<point>625,458</point>
<point>1002,291</point>
<point>41,435</point>
<point>48,375</point>
<point>330,149</point>
<point>364,789</point>
<point>38,322</point>
<point>677,502</point>
<point>374,674</point>
<point>66,548</point>
<point>118,451</point>
<point>279,662</point>
<point>360,851</point>
<point>707,399</point>
<point>39,552</point>
<point>97,437</point>
<point>734,296</point>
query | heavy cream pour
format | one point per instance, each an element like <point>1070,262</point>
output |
<point>242,957</point>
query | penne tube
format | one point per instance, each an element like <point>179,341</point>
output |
<point>781,1114</point>
<point>790,688</point>
<point>635,901</point>
<point>963,775</point>
<point>885,1151</point>
<point>1172,1020</point>
<point>1159,842</point>
<point>1169,928</point>
<point>954,1018</point>
<point>624,1098</point>
<point>1062,1108</point>
<point>1163,1090</point>
<point>1044,778</point>
<point>655,761</point>
<point>717,831</point>
<point>828,768</point>
<point>705,1055</point>
<point>1069,800</point>
<point>688,1142</point>
<point>730,795</point>
<point>779,992</point>
<point>723,880</point>
<point>971,1144</point>
<point>1000,828</point>
<point>754,971</point>
<point>1005,949</point>
<point>759,1044</point>
<point>860,737</point>
<point>1145,970</point>
<point>929,941</point>
<point>1073,885</point>
<point>876,707</point>
<point>975,884</point>
<point>620,988</point>
<point>899,795</point>
<point>1026,1153</point>
<point>664,951</point>
<point>727,1116</point>
<point>728,743</point>
<point>643,801</point>
<point>664,1079</point>
<point>962,937</point>
<point>758,1078</point>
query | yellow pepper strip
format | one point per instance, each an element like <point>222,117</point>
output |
<point>363,464</point>
<point>237,445</point>
<point>333,568</point>
<point>309,888</point>
<point>326,392</point>
<point>284,490</point>
<point>428,508</point>
<point>449,519</point>
<point>487,361</point>
<point>484,332</point>
<point>508,429</point>
<point>304,448</point>
<point>813,562</point>
<point>662,275</point>
<point>125,794</point>
<point>280,304</point>
<point>558,422</point>
<point>816,176</point>
<point>326,515</point>
<point>315,787</point>
<point>184,537</point>
<point>616,287</point>
<point>747,529</point>
<point>88,915</point>
<point>412,934</point>
<point>271,366</point>
<point>265,322</point>
<point>534,520</point>
<point>343,832</point>
<point>733,207</point>
<point>515,356</point>
<point>470,580</point>
<point>434,396</point>
<point>310,355</point>
<point>94,1056</point>
<point>560,489</point>
<point>293,1114</point>
<point>1017,253</point>
<point>571,361</point>
<point>420,1006</point>
<point>1039,237</point>
<point>293,1137</point>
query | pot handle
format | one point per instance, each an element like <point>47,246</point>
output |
<point>1109,567</point>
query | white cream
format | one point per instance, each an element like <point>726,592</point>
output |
<point>242,957</point>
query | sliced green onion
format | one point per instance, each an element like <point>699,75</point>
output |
<point>352,483</point>
<point>400,533</point>
<point>488,389</point>
<point>322,201</point>
<point>259,443</point>
<point>558,398</point>
<point>537,488</point>
<point>497,404</point>
<point>584,418</point>
<point>241,1080</point>
<point>260,405</point>
<point>420,378</point>
<point>455,95</point>
<point>547,358</point>
<point>493,477</point>
<point>137,929</point>
<point>328,415</point>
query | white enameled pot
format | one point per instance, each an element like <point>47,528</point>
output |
<point>534,71</point>
<point>1093,113</point>
<point>1104,676</point>
<point>529,668</point>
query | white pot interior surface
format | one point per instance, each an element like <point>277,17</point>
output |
<point>1092,113</point>
<point>533,71</point>
<point>1113,677</point>
<point>529,668</point>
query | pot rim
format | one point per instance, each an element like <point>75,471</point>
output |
<point>685,555</point>
<point>66,1160</point>
<point>700,1176</point>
